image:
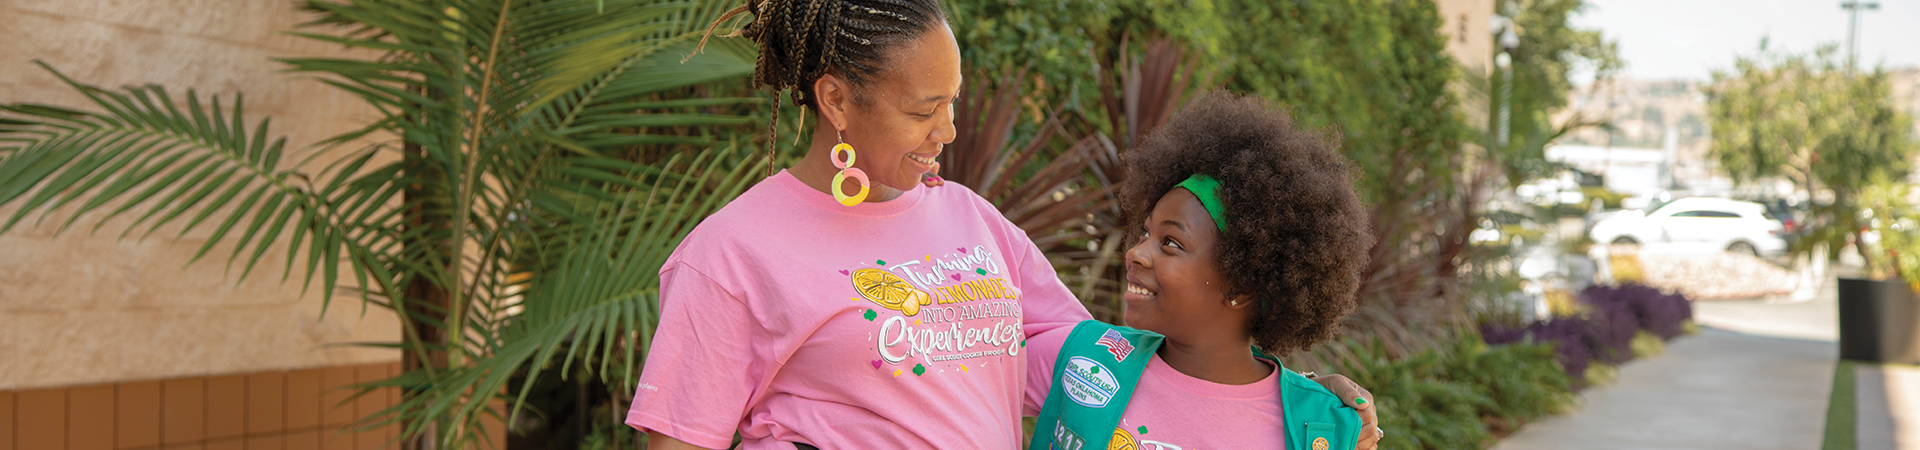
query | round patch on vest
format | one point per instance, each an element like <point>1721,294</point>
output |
<point>1089,383</point>
<point>1320,443</point>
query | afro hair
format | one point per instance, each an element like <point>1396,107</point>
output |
<point>1296,238</point>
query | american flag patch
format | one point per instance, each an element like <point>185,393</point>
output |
<point>1116,344</point>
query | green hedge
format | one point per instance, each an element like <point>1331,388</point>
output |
<point>1462,394</point>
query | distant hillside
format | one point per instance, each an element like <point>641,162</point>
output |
<point>1643,110</point>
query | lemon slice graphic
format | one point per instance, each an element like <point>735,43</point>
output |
<point>890,291</point>
<point>1122,440</point>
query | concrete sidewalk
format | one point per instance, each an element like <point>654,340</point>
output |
<point>1714,390</point>
<point>1759,377</point>
<point>1888,402</point>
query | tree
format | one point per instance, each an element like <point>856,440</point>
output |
<point>1066,47</point>
<point>1551,49</point>
<point>1802,117</point>
<point>1376,74</point>
<point>534,163</point>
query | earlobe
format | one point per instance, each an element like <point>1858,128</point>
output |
<point>829,96</point>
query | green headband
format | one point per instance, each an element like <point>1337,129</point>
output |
<point>1207,190</point>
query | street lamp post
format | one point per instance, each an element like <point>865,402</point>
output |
<point>1853,8</point>
<point>1509,41</point>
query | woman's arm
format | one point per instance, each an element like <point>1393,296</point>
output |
<point>657,441</point>
<point>706,334</point>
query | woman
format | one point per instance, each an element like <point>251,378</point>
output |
<point>839,304</point>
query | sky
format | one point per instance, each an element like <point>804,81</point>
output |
<point>1688,39</point>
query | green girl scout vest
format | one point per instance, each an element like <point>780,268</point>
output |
<point>1100,364</point>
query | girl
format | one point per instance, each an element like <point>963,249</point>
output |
<point>1250,231</point>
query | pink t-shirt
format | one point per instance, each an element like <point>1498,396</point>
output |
<point>1173,411</point>
<point>788,317</point>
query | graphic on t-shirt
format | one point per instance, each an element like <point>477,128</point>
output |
<point>1140,440</point>
<point>1122,440</point>
<point>1065,439</point>
<point>1157,445</point>
<point>946,309</point>
<point>890,291</point>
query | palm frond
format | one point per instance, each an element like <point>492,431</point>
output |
<point>490,234</point>
<point>599,299</point>
<point>173,159</point>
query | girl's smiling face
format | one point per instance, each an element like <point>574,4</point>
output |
<point>1173,287</point>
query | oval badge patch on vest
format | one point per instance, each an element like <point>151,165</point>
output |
<point>1320,443</point>
<point>1089,383</point>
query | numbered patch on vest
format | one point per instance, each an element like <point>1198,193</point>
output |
<point>1089,383</point>
<point>1064,439</point>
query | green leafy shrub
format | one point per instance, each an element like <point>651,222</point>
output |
<point>1460,394</point>
<point>1647,344</point>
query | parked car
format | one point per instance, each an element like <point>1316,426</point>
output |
<point>1697,224</point>
<point>1506,228</point>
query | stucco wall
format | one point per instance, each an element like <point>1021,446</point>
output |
<point>1469,40</point>
<point>80,309</point>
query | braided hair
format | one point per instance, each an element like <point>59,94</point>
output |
<point>801,40</point>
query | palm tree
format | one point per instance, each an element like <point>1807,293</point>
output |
<point>533,163</point>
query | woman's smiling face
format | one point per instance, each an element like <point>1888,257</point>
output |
<point>1173,287</point>
<point>907,113</point>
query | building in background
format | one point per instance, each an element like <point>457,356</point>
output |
<point>1631,171</point>
<point>1468,40</point>
<point>111,343</point>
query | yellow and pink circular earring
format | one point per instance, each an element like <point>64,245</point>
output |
<point>847,171</point>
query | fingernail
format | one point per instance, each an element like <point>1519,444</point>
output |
<point>1359,400</point>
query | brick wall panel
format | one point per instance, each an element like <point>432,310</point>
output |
<point>370,405</point>
<point>336,439</point>
<point>271,410</point>
<point>137,423</point>
<point>266,403</point>
<point>336,388</point>
<point>90,418</point>
<point>273,442</point>
<point>303,399</point>
<point>303,440</point>
<point>6,421</point>
<point>183,410</point>
<point>45,424</point>
<point>226,407</point>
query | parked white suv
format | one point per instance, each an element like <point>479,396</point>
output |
<point>1696,224</point>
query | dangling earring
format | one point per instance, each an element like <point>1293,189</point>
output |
<point>847,171</point>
